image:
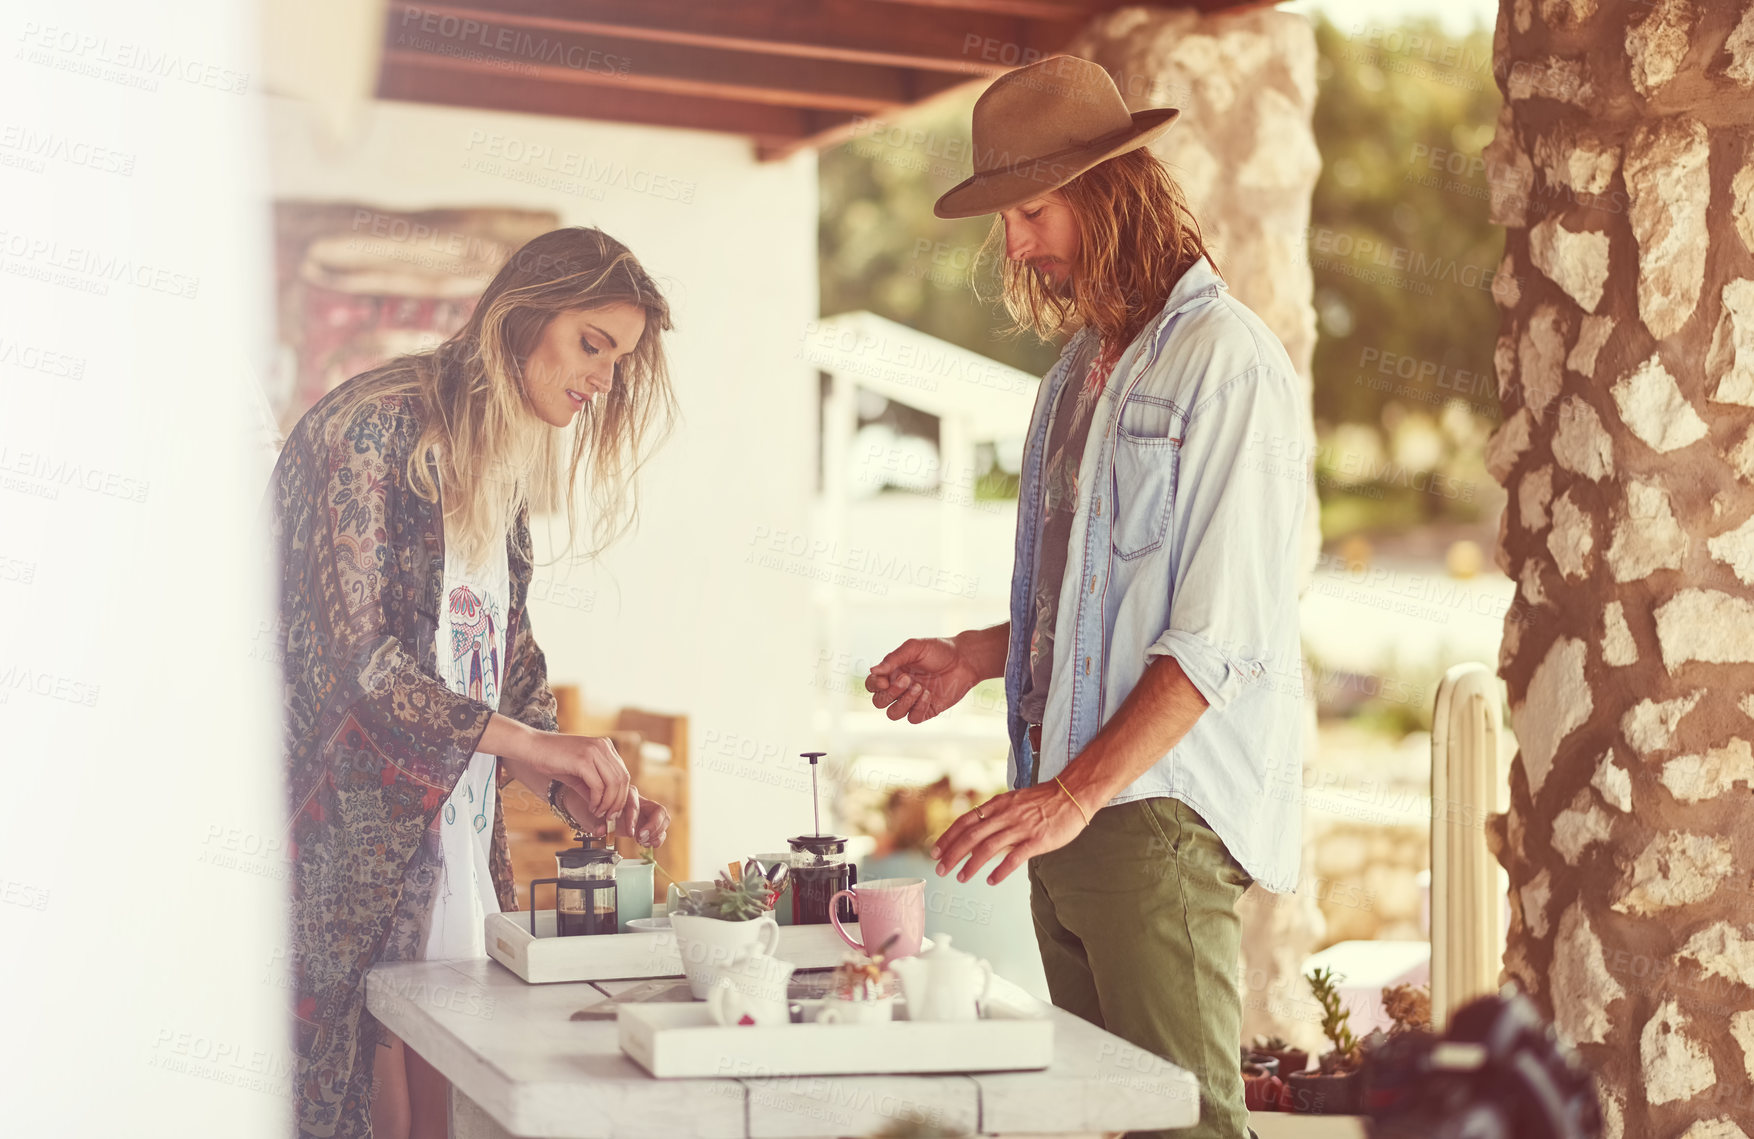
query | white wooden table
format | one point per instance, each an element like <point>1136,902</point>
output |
<point>519,1066</point>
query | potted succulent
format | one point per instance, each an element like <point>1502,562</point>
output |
<point>1277,1047</point>
<point>714,924</point>
<point>1261,1086</point>
<point>1336,1087</point>
<point>1409,1008</point>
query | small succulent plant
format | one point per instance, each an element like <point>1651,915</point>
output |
<point>1409,1006</point>
<point>744,898</point>
<point>1335,1023</point>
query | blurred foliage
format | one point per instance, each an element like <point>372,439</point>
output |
<point>882,249</point>
<point>1401,118</point>
<point>1382,120</point>
<point>1404,388</point>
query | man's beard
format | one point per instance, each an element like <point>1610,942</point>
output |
<point>1058,286</point>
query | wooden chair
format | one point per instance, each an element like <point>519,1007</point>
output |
<point>665,782</point>
<point>535,835</point>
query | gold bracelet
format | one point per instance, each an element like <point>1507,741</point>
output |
<point>1075,801</point>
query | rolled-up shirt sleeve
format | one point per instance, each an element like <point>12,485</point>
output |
<point>1236,518</point>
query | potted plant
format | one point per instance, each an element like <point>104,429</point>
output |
<point>1261,1086</point>
<point>1336,1087</point>
<point>1409,1008</point>
<point>714,924</point>
<point>1290,1059</point>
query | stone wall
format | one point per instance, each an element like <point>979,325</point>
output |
<point>1623,169</point>
<point>1244,152</point>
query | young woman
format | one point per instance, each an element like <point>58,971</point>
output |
<point>414,686</point>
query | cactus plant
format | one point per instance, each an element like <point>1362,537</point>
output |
<point>1336,1022</point>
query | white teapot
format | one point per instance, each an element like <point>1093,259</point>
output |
<point>943,983</point>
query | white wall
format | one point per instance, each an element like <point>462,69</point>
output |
<point>673,618</point>
<point>141,895</point>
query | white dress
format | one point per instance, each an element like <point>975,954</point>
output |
<point>471,661</point>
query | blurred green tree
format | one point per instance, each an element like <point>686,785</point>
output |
<point>1401,117</point>
<point>882,249</point>
<point>1402,114</point>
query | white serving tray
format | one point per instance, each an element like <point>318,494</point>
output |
<point>681,1040</point>
<point>545,958</point>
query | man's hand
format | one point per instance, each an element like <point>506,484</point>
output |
<point>1018,824</point>
<point>921,678</point>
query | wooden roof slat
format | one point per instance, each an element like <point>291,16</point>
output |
<point>685,69</point>
<point>771,127</point>
<point>851,31</point>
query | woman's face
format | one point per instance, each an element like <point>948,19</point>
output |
<point>1043,234</point>
<point>574,362</point>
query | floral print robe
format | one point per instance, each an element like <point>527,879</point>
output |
<point>374,741</point>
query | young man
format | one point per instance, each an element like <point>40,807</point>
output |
<point>1151,662</point>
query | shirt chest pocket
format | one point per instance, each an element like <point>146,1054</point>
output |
<point>1147,462</point>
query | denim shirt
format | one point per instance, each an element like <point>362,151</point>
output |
<point>1184,543</point>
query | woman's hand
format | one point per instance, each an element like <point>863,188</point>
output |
<point>587,765</point>
<point>645,820</point>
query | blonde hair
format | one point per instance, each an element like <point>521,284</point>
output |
<point>480,433</point>
<point>1137,236</point>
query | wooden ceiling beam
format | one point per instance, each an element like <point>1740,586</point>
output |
<point>681,69</point>
<point>427,80</point>
<point>847,31</point>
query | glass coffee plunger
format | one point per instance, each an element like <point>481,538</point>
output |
<point>819,866</point>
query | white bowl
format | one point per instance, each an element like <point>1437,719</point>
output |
<point>648,925</point>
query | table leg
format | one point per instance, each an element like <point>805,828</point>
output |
<point>469,1121</point>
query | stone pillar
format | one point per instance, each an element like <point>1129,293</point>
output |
<point>1623,170</point>
<point>1244,152</point>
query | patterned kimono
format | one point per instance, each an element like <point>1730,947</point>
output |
<point>374,740</point>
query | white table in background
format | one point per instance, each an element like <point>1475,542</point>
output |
<point>519,1066</point>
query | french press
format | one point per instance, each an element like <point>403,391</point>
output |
<point>819,868</point>
<point>584,893</point>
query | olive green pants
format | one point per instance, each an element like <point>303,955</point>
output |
<point>1137,924</point>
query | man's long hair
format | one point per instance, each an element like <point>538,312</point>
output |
<point>493,454</point>
<point>1137,237</point>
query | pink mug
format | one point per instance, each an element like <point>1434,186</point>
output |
<point>885,906</point>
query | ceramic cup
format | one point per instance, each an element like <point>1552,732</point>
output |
<point>885,906</point>
<point>633,891</point>
<point>838,1011</point>
<point>709,945</point>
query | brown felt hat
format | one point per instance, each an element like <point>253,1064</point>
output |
<point>1039,127</point>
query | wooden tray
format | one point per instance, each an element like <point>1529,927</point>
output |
<point>547,959</point>
<point>681,1040</point>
